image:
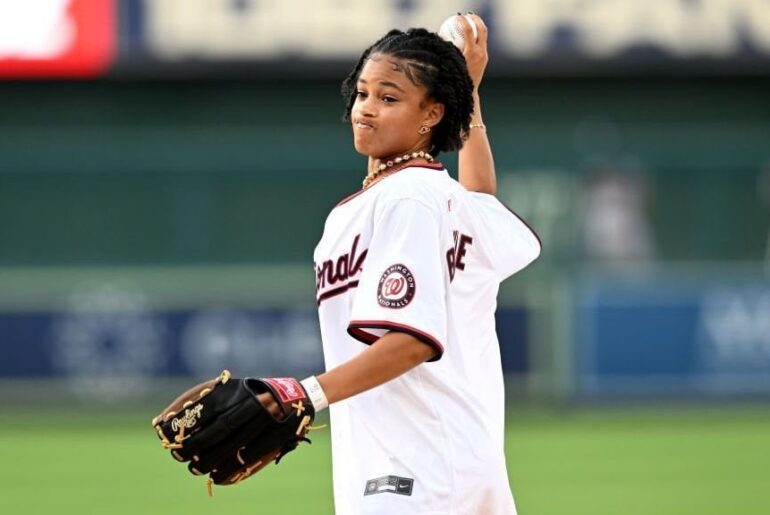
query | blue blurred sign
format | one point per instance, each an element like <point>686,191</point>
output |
<point>673,338</point>
<point>131,343</point>
<point>118,337</point>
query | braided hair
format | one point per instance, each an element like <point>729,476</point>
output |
<point>435,64</point>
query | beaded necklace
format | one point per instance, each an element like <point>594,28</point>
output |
<point>389,165</point>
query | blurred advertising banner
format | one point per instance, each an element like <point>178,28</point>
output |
<point>673,337</point>
<point>56,38</point>
<point>553,35</point>
<point>108,339</point>
<point>79,38</point>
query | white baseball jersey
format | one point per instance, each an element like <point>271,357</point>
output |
<point>419,254</point>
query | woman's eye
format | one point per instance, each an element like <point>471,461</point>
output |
<point>360,94</point>
<point>389,99</point>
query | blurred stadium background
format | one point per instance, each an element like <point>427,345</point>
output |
<point>166,167</point>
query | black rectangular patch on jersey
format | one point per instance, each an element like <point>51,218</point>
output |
<point>389,484</point>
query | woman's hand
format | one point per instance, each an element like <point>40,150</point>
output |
<point>475,50</point>
<point>268,401</point>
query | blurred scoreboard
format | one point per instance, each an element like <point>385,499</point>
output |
<point>127,37</point>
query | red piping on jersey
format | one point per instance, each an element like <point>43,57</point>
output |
<point>356,330</point>
<point>434,166</point>
<point>336,291</point>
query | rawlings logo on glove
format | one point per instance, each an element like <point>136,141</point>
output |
<point>189,419</point>
<point>231,428</point>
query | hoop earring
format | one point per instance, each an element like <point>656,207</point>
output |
<point>424,129</point>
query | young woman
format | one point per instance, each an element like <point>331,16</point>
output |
<point>407,274</point>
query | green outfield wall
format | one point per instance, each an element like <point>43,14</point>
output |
<point>243,172</point>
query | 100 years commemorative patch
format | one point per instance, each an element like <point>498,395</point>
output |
<point>396,288</point>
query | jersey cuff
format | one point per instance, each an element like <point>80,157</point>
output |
<point>356,329</point>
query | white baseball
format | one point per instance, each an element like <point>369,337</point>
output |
<point>451,30</point>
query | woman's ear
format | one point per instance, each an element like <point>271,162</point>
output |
<point>434,114</point>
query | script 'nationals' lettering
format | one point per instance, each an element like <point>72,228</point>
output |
<point>345,267</point>
<point>337,275</point>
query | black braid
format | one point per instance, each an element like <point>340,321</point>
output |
<point>435,64</point>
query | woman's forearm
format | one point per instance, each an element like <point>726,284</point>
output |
<point>476,166</point>
<point>387,358</point>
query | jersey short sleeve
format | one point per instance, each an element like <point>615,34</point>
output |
<point>402,287</point>
<point>509,244</point>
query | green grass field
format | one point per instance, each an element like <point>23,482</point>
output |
<point>673,461</point>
